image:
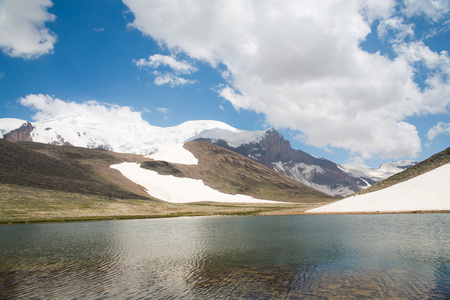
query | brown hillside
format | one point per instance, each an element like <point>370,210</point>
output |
<point>68,169</point>
<point>232,173</point>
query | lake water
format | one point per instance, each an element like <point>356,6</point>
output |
<point>261,257</point>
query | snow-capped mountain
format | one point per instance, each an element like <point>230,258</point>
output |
<point>384,171</point>
<point>82,131</point>
<point>7,125</point>
<point>267,147</point>
<point>271,149</point>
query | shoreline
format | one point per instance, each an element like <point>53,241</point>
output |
<point>177,215</point>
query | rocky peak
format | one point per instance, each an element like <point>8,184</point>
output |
<point>21,134</point>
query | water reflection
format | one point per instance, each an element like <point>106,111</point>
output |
<point>364,256</point>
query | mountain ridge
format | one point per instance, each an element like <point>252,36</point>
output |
<point>267,147</point>
<point>420,188</point>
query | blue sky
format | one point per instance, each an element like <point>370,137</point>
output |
<point>351,81</point>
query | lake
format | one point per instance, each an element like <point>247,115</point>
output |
<point>258,257</point>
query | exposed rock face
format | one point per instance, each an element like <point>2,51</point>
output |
<point>25,134</point>
<point>274,151</point>
<point>22,134</point>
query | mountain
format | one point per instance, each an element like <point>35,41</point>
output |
<point>267,147</point>
<point>223,174</point>
<point>384,171</point>
<point>272,150</point>
<point>422,187</point>
<point>219,175</point>
<point>83,131</point>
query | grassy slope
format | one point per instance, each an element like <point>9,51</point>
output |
<point>435,161</point>
<point>44,182</point>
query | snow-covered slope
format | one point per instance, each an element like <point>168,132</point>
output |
<point>136,138</point>
<point>9,124</point>
<point>384,171</point>
<point>178,190</point>
<point>427,192</point>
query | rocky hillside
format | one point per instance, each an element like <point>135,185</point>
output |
<point>267,147</point>
<point>274,151</point>
<point>87,171</point>
<point>228,172</point>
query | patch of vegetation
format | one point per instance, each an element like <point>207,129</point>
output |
<point>162,168</point>
<point>20,204</point>
<point>435,161</point>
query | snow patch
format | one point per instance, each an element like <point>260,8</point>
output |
<point>429,191</point>
<point>304,173</point>
<point>175,154</point>
<point>178,190</point>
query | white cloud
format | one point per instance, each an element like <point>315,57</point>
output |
<point>300,63</point>
<point>22,28</point>
<point>168,78</point>
<point>163,110</point>
<point>397,25</point>
<point>154,61</point>
<point>433,9</point>
<point>172,80</point>
<point>439,128</point>
<point>48,106</point>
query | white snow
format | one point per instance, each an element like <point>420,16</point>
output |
<point>178,190</point>
<point>429,191</point>
<point>384,171</point>
<point>9,124</point>
<point>303,173</point>
<point>234,137</point>
<point>119,135</point>
<point>175,154</point>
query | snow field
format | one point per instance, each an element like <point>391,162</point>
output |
<point>427,192</point>
<point>178,190</point>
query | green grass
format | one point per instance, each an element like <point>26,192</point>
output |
<point>20,204</point>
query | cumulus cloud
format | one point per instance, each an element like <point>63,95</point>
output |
<point>22,28</point>
<point>154,61</point>
<point>300,63</point>
<point>171,78</point>
<point>439,128</point>
<point>48,106</point>
<point>433,9</point>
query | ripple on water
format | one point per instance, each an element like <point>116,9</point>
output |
<point>258,258</point>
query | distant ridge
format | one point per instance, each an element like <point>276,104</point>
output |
<point>422,188</point>
<point>429,164</point>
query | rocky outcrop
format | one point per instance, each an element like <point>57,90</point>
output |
<point>274,151</point>
<point>22,134</point>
